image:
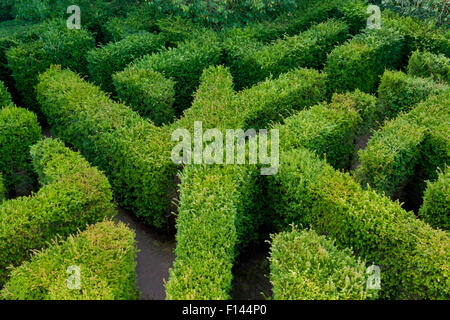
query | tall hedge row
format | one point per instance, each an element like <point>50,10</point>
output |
<point>307,266</point>
<point>19,129</point>
<point>217,217</point>
<point>358,63</point>
<point>425,64</point>
<point>73,195</point>
<point>413,257</point>
<point>134,153</point>
<point>105,255</point>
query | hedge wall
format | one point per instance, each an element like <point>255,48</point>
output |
<point>104,252</point>
<point>399,92</point>
<point>56,44</point>
<point>425,64</point>
<point>358,63</point>
<point>307,266</point>
<point>19,129</point>
<point>184,65</point>
<point>253,62</point>
<point>105,61</point>
<point>412,256</point>
<point>74,194</point>
<point>130,150</point>
<point>5,97</point>
<point>217,217</point>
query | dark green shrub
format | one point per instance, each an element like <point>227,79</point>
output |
<point>19,129</point>
<point>435,209</point>
<point>56,44</point>
<point>2,189</point>
<point>5,97</point>
<point>399,92</point>
<point>74,194</point>
<point>184,65</point>
<point>130,149</point>
<point>412,256</point>
<point>359,63</point>
<point>306,266</point>
<point>253,62</point>
<point>426,64</point>
<point>148,92</point>
<point>216,219</point>
<point>105,61</point>
<point>104,252</point>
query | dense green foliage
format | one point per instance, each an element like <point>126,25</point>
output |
<point>2,189</point>
<point>426,64</point>
<point>130,149</point>
<point>104,252</point>
<point>306,266</point>
<point>19,129</point>
<point>73,194</point>
<point>5,97</point>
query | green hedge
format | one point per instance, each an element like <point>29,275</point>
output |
<point>56,44</point>
<point>306,266</point>
<point>74,194</point>
<point>359,63</point>
<point>217,217</point>
<point>426,64</point>
<point>412,146</point>
<point>5,97</point>
<point>19,129</point>
<point>105,61</point>
<point>399,92</point>
<point>2,189</point>
<point>329,129</point>
<point>104,252</point>
<point>130,149</point>
<point>253,62</point>
<point>184,65</point>
<point>435,209</point>
<point>412,256</point>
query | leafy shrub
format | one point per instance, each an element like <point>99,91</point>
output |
<point>56,44</point>
<point>148,92</point>
<point>412,256</point>
<point>399,92</point>
<point>216,219</point>
<point>184,65</point>
<point>74,194</point>
<point>358,63</point>
<point>105,61</point>
<point>306,266</point>
<point>5,97</point>
<point>105,254</point>
<point>425,64</point>
<point>130,150</point>
<point>421,9</point>
<point>435,209</point>
<point>2,189</point>
<point>19,129</point>
<point>252,62</point>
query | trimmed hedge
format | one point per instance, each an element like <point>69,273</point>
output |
<point>56,44</point>
<point>184,65</point>
<point>412,256</point>
<point>426,64</point>
<point>358,63</point>
<point>5,97</point>
<point>411,146</point>
<point>217,217</point>
<point>435,209</point>
<point>399,92</point>
<point>105,61</point>
<point>130,149</point>
<point>74,195</point>
<point>19,129</point>
<point>104,252</point>
<point>329,129</point>
<point>306,266</point>
<point>252,62</point>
